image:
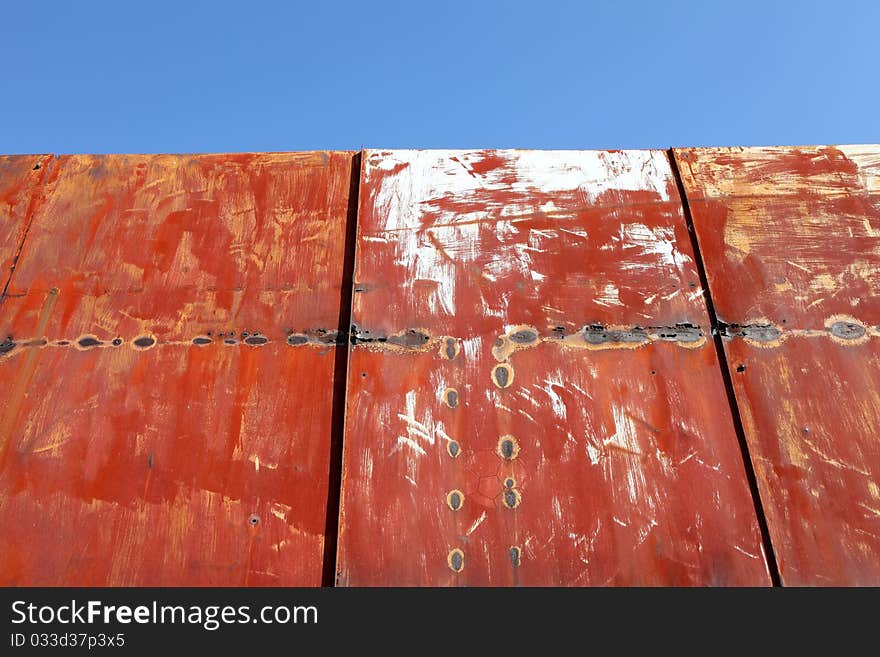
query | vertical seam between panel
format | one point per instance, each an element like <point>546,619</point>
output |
<point>770,553</point>
<point>340,378</point>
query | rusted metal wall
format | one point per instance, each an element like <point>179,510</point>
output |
<point>533,393</point>
<point>789,237</point>
<point>532,398</point>
<point>169,368</point>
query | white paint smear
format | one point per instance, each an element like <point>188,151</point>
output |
<point>423,180</point>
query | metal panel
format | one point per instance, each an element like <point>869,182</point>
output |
<point>169,387</point>
<point>531,397</point>
<point>789,238</point>
<point>20,176</point>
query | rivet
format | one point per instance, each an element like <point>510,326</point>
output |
<point>454,499</point>
<point>524,336</point>
<point>508,448</point>
<point>453,448</point>
<point>144,342</point>
<point>847,330</point>
<point>450,397</point>
<point>455,559</point>
<point>449,349</point>
<point>515,555</point>
<point>502,375</point>
<point>511,498</point>
<point>88,341</point>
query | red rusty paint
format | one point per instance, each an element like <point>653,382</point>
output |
<point>20,177</point>
<point>577,459</point>
<point>789,241</point>
<point>130,455</point>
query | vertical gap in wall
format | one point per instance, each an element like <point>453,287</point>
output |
<point>725,375</point>
<point>340,379</point>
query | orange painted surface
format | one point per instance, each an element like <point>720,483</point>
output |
<point>789,239</point>
<point>137,447</point>
<point>20,177</point>
<point>531,398</point>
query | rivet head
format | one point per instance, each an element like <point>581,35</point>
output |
<point>502,375</point>
<point>524,336</point>
<point>453,448</point>
<point>455,560</point>
<point>847,330</point>
<point>511,498</point>
<point>515,555</point>
<point>507,448</point>
<point>450,397</point>
<point>88,341</point>
<point>144,342</point>
<point>454,499</point>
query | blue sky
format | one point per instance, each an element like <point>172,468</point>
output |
<point>182,76</point>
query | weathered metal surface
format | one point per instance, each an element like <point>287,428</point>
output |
<point>789,238</point>
<point>169,375</point>
<point>532,399</point>
<point>20,177</point>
